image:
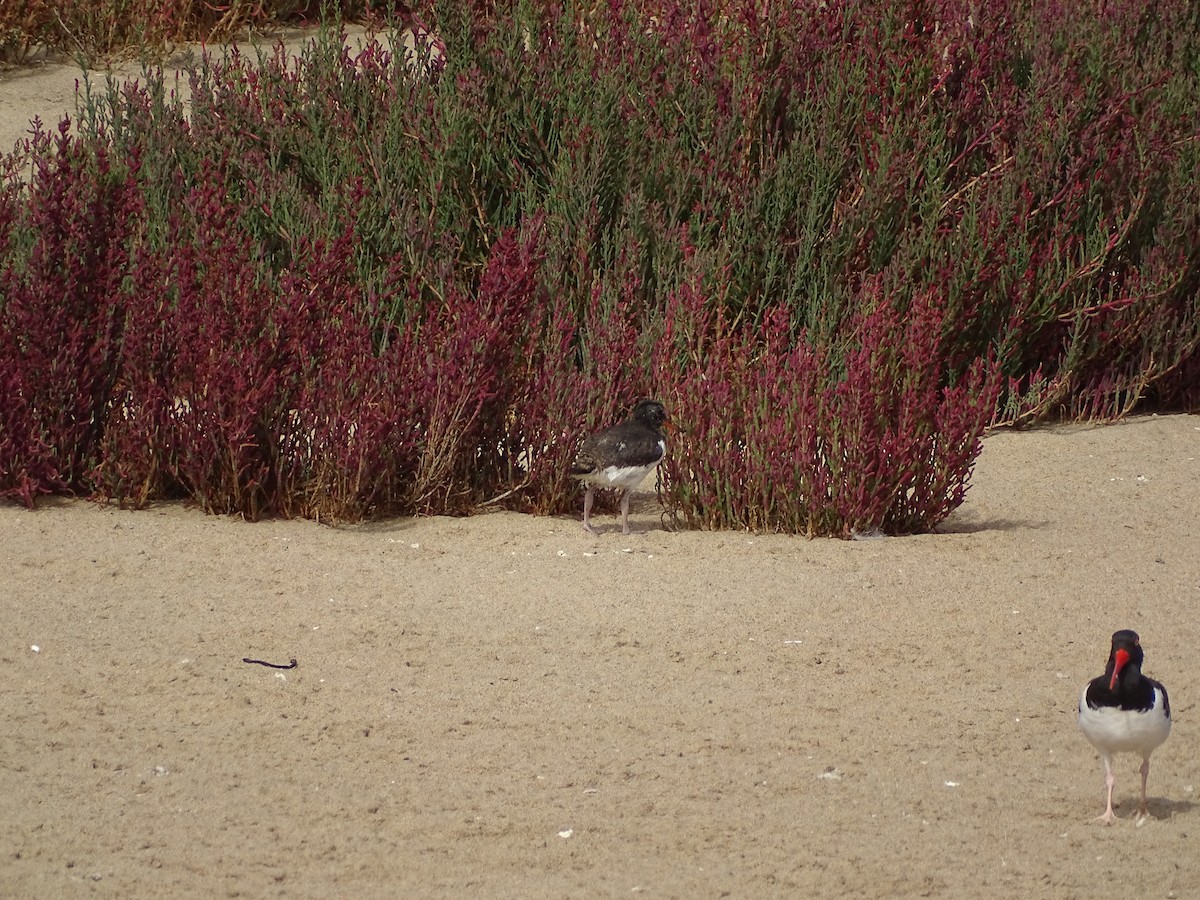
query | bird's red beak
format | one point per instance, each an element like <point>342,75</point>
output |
<point>1119,660</point>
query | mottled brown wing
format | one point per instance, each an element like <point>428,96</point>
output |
<point>627,444</point>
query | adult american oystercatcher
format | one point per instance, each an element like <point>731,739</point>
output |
<point>621,456</point>
<point>1123,711</point>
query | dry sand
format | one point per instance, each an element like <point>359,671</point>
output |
<point>506,707</point>
<point>47,86</point>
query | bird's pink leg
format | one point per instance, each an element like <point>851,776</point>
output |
<point>1143,809</point>
<point>625,512</point>
<point>587,510</point>
<point>1109,816</point>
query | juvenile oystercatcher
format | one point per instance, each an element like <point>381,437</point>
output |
<point>1123,711</point>
<point>621,456</point>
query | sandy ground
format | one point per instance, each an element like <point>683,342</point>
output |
<point>506,707</point>
<point>46,86</point>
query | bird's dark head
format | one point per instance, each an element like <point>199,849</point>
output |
<point>1126,653</point>
<point>651,412</point>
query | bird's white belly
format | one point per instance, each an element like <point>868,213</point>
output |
<point>1124,731</point>
<point>621,476</point>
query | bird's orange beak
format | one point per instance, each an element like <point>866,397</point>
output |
<point>1121,658</point>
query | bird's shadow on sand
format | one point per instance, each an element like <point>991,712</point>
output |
<point>1164,808</point>
<point>968,524</point>
<point>393,525</point>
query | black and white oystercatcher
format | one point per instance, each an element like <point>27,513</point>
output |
<point>621,456</point>
<point>1123,711</point>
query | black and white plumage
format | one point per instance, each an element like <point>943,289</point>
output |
<point>1123,711</point>
<point>621,456</point>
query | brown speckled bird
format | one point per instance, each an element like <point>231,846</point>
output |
<point>621,456</point>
